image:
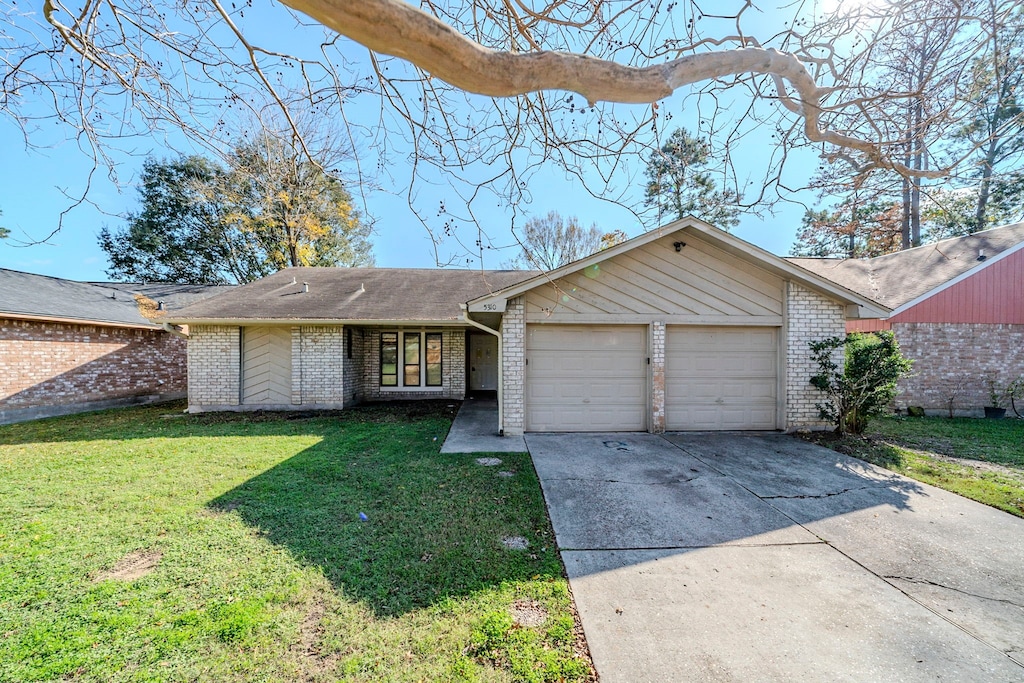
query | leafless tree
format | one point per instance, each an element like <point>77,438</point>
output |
<point>550,241</point>
<point>494,90</point>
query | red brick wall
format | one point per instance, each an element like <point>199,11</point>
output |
<point>959,358</point>
<point>53,364</point>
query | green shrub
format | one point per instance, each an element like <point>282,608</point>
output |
<point>865,385</point>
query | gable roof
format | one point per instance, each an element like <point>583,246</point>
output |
<point>908,276</point>
<point>368,295</point>
<point>721,239</point>
<point>41,297</point>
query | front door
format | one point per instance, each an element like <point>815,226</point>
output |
<point>483,362</point>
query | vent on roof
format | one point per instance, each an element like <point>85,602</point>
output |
<point>305,287</point>
<point>981,255</point>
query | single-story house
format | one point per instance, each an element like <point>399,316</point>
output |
<point>684,327</point>
<point>68,347</point>
<point>958,312</point>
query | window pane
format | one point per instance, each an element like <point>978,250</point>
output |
<point>412,359</point>
<point>389,359</point>
<point>433,360</point>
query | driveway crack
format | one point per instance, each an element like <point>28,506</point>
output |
<point>679,480</point>
<point>819,495</point>
<point>911,579</point>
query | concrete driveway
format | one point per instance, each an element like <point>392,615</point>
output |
<point>750,557</point>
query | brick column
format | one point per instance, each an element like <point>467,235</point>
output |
<point>657,355</point>
<point>214,367</point>
<point>296,366</point>
<point>513,365</point>
<point>811,317</point>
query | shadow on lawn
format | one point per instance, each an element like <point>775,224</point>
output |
<point>434,522</point>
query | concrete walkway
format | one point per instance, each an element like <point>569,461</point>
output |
<point>475,430</point>
<point>729,557</point>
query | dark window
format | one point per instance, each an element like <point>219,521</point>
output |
<point>433,359</point>
<point>389,359</point>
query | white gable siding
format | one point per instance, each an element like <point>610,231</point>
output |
<point>700,284</point>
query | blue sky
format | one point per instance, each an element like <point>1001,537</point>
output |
<point>33,184</point>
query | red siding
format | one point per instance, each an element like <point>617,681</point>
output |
<point>992,295</point>
<point>867,325</point>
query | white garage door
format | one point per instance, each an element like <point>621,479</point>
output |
<point>582,378</point>
<point>721,378</point>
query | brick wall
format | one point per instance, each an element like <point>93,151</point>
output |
<point>657,352</point>
<point>57,368</point>
<point>958,359</point>
<point>321,363</point>
<point>352,367</point>
<point>810,317</point>
<point>213,367</point>
<point>513,333</point>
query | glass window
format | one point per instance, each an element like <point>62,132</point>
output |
<point>433,359</point>
<point>411,359</point>
<point>389,359</point>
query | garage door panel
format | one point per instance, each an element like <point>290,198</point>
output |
<point>720,378</point>
<point>585,378</point>
<point>583,418</point>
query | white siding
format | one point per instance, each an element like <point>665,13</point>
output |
<point>267,365</point>
<point>699,284</point>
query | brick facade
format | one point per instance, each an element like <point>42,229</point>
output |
<point>810,317</point>
<point>958,361</point>
<point>352,364</point>
<point>320,359</point>
<point>213,367</point>
<point>657,379</point>
<point>60,368</point>
<point>324,373</point>
<point>513,366</point>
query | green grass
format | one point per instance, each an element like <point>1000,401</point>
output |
<point>266,571</point>
<point>980,459</point>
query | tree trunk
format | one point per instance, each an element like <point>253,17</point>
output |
<point>905,224</point>
<point>986,185</point>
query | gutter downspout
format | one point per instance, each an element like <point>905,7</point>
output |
<point>174,329</point>
<point>501,366</point>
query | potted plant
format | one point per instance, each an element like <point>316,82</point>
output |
<point>996,410</point>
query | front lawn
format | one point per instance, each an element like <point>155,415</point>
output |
<point>979,459</point>
<point>143,545</point>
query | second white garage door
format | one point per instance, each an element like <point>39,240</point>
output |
<point>721,378</point>
<point>586,378</point>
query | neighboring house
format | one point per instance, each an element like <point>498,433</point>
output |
<point>68,346</point>
<point>685,327</point>
<point>958,312</point>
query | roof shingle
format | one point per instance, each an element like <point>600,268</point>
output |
<point>367,294</point>
<point>895,279</point>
